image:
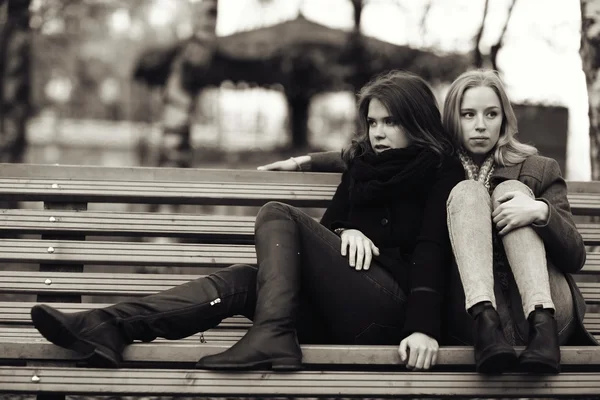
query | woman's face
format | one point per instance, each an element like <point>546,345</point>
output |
<point>384,132</point>
<point>480,121</point>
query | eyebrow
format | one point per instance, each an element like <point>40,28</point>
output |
<point>487,108</point>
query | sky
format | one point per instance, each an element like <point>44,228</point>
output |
<point>539,62</point>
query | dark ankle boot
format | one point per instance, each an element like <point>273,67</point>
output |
<point>542,354</point>
<point>271,342</point>
<point>493,354</point>
<point>101,335</point>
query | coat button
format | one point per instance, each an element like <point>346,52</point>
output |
<point>384,221</point>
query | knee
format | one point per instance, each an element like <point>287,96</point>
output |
<point>271,211</point>
<point>468,194</point>
<point>510,186</point>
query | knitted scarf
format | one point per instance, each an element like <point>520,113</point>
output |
<point>481,174</point>
<point>377,178</point>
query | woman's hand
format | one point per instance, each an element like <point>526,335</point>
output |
<point>516,209</point>
<point>360,249</point>
<point>418,351</point>
<point>291,164</point>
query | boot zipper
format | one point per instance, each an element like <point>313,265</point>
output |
<point>212,303</point>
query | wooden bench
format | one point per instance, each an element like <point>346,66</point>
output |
<point>82,237</point>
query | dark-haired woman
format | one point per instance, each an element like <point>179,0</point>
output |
<point>372,272</point>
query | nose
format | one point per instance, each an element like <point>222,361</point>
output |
<point>379,131</point>
<point>479,124</point>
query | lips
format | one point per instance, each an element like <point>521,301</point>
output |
<point>381,147</point>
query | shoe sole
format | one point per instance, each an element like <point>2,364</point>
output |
<point>277,364</point>
<point>48,322</point>
<point>539,366</point>
<point>498,363</point>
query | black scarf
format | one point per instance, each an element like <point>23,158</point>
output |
<point>378,178</point>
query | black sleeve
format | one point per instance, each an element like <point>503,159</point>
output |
<point>432,258</point>
<point>328,161</point>
<point>339,208</point>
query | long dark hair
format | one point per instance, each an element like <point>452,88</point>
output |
<point>411,103</point>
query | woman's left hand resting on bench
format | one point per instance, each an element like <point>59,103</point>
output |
<point>418,351</point>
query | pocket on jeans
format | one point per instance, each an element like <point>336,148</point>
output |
<point>378,334</point>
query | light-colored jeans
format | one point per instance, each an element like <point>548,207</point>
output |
<point>470,226</point>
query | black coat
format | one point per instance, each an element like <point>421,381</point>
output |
<point>410,231</point>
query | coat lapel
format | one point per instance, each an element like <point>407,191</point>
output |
<point>502,174</point>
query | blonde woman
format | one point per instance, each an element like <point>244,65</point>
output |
<point>512,233</point>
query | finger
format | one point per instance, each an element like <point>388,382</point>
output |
<point>506,197</point>
<point>360,254</point>
<point>352,251</point>
<point>427,359</point>
<point>402,350</point>
<point>434,358</point>
<point>374,249</point>
<point>368,257</point>
<point>413,355</point>
<point>269,167</point>
<point>422,354</point>
<point>344,245</point>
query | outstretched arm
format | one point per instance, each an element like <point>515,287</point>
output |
<point>328,161</point>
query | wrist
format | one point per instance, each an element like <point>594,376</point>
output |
<point>542,213</point>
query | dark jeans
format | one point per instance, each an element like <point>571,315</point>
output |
<point>338,305</point>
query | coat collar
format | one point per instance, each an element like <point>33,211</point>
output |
<point>507,173</point>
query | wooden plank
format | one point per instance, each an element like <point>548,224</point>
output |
<point>152,174</point>
<point>124,253</point>
<point>34,347</point>
<point>123,284</point>
<point>205,228</point>
<point>299,384</point>
<point>224,193</point>
<point>18,313</point>
<point>149,254</point>
<point>202,227</point>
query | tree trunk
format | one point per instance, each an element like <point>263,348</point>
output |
<point>15,42</point>
<point>298,119</point>
<point>181,88</point>
<point>590,56</point>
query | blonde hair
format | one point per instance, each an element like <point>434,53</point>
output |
<point>508,151</point>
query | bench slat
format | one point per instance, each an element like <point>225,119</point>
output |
<point>136,284</point>
<point>303,383</point>
<point>148,254</point>
<point>226,227</point>
<point>224,193</point>
<point>124,253</point>
<point>18,313</point>
<point>185,351</point>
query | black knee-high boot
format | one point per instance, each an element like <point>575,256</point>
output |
<point>101,335</point>
<point>493,354</point>
<point>272,341</point>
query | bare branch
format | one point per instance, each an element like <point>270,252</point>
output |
<point>496,47</point>
<point>477,56</point>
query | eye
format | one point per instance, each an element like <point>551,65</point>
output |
<point>371,123</point>
<point>467,114</point>
<point>493,114</point>
<point>390,122</point>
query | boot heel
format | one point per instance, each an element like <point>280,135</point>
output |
<point>286,364</point>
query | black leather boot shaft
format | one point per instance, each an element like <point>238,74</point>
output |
<point>542,354</point>
<point>272,341</point>
<point>493,354</point>
<point>101,335</point>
